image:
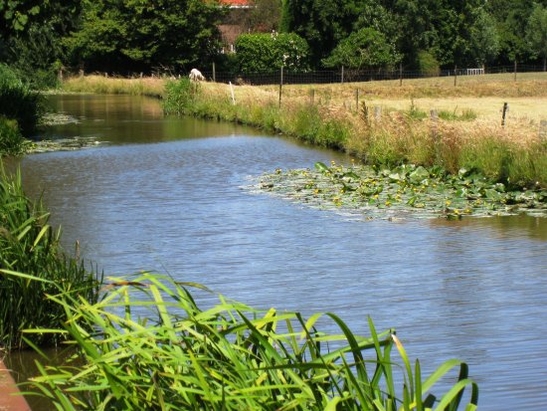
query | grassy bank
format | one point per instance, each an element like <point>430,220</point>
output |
<point>30,245</point>
<point>428,122</point>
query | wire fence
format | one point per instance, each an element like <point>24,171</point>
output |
<point>342,75</point>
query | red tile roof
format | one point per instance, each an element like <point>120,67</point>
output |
<point>236,3</point>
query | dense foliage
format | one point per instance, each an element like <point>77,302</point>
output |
<point>133,36</point>
<point>365,48</point>
<point>136,36</point>
<point>265,52</point>
<point>20,111</point>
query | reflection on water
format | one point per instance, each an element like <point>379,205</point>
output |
<point>175,202</point>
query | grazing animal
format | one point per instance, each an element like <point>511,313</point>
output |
<point>195,75</point>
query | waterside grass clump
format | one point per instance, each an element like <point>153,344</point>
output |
<point>30,245</point>
<point>147,345</point>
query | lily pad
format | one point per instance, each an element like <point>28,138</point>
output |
<point>404,192</point>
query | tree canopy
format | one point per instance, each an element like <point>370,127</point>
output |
<point>365,48</point>
<point>133,36</point>
<point>137,35</point>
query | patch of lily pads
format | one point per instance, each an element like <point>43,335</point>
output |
<point>62,144</point>
<point>407,191</point>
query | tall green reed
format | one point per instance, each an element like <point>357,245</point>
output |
<point>147,345</point>
<point>29,244</point>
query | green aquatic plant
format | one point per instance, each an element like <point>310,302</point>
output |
<point>404,191</point>
<point>148,345</point>
<point>29,244</point>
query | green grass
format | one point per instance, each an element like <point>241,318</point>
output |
<point>147,345</point>
<point>30,245</point>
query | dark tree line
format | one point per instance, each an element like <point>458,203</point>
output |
<point>131,36</point>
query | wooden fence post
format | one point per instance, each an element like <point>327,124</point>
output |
<point>504,112</point>
<point>515,71</point>
<point>281,85</point>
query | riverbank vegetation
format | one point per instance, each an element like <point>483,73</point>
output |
<point>426,124</point>
<point>30,245</point>
<point>147,345</point>
<point>20,111</point>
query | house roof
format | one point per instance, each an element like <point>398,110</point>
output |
<point>236,3</point>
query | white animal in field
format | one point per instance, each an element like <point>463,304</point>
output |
<point>195,75</point>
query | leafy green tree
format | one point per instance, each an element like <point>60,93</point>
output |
<point>141,36</point>
<point>30,35</point>
<point>324,23</point>
<point>417,22</point>
<point>263,53</point>
<point>536,34</point>
<point>485,44</point>
<point>512,19</point>
<point>455,33</point>
<point>365,48</point>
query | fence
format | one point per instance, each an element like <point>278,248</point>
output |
<point>352,75</point>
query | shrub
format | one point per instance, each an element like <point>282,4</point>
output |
<point>428,64</point>
<point>11,140</point>
<point>264,53</point>
<point>18,102</point>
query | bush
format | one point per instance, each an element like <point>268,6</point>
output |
<point>428,64</point>
<point>18,102</point>
<point>180,96</point>
<point>11,140</point>
<point>264,53</point>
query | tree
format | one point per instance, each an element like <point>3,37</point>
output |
<point>536,33</point>
<point>511,19</point>
<point>141,36</point>
<point>484,38</point>
<point>366,48</point>
<point>417,24</point>
<point>31,32</point>
<point>324,23</point>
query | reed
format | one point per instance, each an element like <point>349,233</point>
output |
<point>147,345</point>
<point>30,245</point>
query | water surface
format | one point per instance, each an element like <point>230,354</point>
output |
<point>169,195</point>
